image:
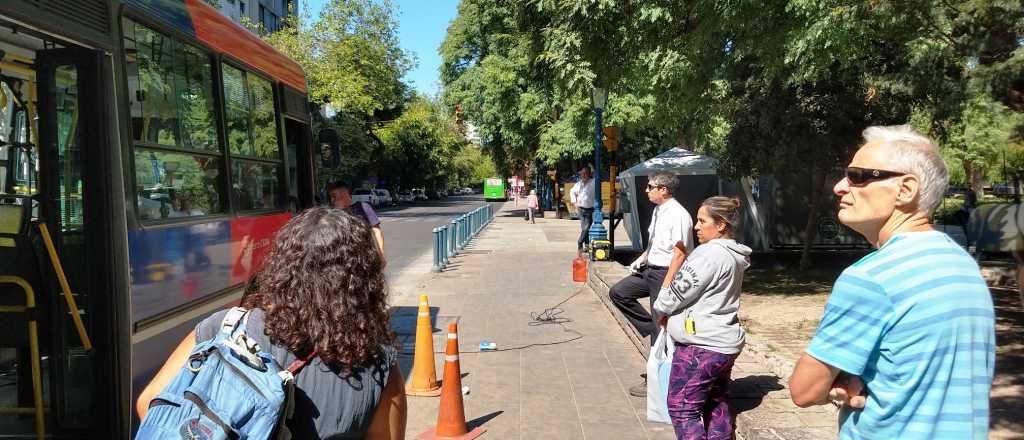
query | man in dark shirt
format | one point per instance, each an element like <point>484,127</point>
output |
<point>341,197</point>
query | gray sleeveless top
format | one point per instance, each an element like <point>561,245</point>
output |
<point>328,405</point>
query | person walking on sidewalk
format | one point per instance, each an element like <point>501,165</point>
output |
<point>532,203</point>
<point>582,196</point>
<point>911,322</point>
<point>669,241</point>
<point>699,308</point>
<point>341,197</point>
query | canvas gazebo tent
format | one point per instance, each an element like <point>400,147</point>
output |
<point>774,211</point>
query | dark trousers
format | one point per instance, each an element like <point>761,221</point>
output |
<point>586,218</point>
<point>626,294</point>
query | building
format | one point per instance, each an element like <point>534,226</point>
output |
<point>269,13</point>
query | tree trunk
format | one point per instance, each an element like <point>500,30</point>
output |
<point>811,229</point>
<point>973,175</point>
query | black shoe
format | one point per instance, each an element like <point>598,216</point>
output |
<point>639,390</point>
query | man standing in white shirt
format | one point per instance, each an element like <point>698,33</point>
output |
<point>670,240</point>
<point>582,196</point>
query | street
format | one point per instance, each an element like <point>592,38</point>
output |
<point>408,239</point>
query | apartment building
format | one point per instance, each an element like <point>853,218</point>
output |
<point>268,13</point>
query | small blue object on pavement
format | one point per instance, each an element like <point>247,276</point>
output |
<point>487,345</point>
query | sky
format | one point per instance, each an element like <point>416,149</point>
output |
<point>422,25</point>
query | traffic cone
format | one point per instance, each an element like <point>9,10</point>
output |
<point>451,418</point>
<point>424,375</point>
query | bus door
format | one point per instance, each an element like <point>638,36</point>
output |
<point>70,148</point>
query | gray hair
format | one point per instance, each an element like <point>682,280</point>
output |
<point>668,180</point>
<point>914,153</point>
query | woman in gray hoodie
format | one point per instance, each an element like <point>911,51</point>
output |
<point>701,304</point>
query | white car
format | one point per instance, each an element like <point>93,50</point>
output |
<point>405,197</point>
<point>366,196</point>
<point>419,194</point>
<point>467,191</point>
<point>384,197</point>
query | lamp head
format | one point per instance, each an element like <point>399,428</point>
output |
<point>598,98</point>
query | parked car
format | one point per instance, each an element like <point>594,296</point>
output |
<point>467,190</point>
<point>365,195</point>
<point>405,197</point>
<point>419,194</point>
<point>384,196</point>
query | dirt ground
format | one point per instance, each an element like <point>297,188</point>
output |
<point>783,305</point>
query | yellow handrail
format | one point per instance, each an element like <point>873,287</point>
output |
<point>33,343</point>
<point>86,343</point>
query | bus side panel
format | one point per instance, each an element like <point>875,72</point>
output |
<point>251,240</point>
<point>172,266</point>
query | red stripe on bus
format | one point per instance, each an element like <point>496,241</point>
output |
<point>228,37</point>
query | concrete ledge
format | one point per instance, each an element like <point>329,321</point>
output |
<point>601,276</point>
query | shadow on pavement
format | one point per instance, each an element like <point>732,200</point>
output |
<point>1005,404</point>
<point>479,421</point>
<point>746,393</point>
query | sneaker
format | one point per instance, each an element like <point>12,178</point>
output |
<point>639,390</point>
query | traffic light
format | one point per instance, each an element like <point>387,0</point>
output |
<point>458,114</point>
<point>611,138</point>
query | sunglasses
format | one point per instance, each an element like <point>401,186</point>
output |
<point>861,176</point>
<point>654,187</point>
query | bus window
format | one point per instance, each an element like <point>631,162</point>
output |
<point>171,185</point>
<point>252,133</point>
<point>171,96</point>
<point>255,185</point>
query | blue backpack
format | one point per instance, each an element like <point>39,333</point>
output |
<point>230,388</point>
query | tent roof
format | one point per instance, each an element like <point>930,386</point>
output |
<point>676,160</point>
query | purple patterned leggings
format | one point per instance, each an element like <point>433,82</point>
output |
<point>697,394</point>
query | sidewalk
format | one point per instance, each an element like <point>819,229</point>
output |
<point>553,381</point>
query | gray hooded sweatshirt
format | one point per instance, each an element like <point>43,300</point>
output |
<point>707,290</point>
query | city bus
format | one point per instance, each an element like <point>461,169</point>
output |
<point>494,188</point>
<point>149,150</point>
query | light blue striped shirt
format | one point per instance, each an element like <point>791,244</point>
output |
<point>914,320</point>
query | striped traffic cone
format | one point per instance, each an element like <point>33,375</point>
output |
<point>424,376</point>
<point>451,417</point>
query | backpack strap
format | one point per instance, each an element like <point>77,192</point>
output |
<point>235,316</point>
<point>298,363</point>
<point>232,328</point>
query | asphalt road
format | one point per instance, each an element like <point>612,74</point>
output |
<point>407,232</point>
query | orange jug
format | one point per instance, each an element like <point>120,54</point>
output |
<point>579,269</point>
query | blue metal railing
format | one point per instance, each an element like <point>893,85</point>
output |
<point>451,238</point>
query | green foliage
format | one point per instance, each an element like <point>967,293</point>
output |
<point>350,54</point>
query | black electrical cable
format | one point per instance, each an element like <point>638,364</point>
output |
<point>548,316</point>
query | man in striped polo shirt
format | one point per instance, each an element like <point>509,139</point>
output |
<point>908,336</point>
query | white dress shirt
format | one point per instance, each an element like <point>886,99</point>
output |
<point>670,224</point>
<point>582,194</point>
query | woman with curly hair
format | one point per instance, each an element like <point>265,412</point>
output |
<point>320,294</point>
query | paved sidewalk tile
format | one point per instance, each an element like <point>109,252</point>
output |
<point>567,379</point>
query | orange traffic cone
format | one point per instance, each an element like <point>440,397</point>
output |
<point>424,375</point>
<point>451,418</point>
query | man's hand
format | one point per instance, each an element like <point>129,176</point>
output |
<point>637,265</point>
<point>848,390</point>
<point>663,321</point>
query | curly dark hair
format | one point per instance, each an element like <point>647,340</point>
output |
<point>322,287</point>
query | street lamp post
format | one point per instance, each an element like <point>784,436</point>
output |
<point>598,100</point>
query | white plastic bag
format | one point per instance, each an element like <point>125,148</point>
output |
<point>659,365</point>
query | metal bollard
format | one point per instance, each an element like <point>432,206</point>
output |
<point>437,250</point>
<point>451,243</point>
<point>464,224</point>
<point>444,236</point>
